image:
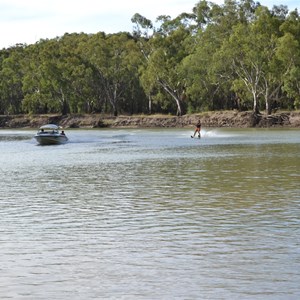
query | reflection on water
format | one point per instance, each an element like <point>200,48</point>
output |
<point>149,214</point>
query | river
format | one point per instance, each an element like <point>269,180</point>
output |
<point>151,214</point>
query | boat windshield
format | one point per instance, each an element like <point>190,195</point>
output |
<point>49,128</point>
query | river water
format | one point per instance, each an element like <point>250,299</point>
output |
<point>151,214</point>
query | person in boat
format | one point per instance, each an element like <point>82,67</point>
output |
<point>62,133</point>
<point>197,130</point>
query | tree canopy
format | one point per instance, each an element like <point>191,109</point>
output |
<point>238,55</point>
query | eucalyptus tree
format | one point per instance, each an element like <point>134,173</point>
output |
<point>122,72</point>
<point>288,51</point>
<point>133,99</point>
<point>114,58</point>
<point>57,79</point>
<point>142,26</point>
<point>207,68</point>
<point>203,84</point>
<point>11,75</point>
<point>78,74</point>
<point>142,32</point>
<point>161,76</point>
<point>250,53</point>
<point>37,98</point>
<point>46,85</point>
<point>71,76</point>
<point>4,53</point>
<point>267,28</point>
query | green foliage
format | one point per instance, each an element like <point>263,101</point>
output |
<point>238,55</point>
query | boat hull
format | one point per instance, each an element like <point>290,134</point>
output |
<point>51,139</point>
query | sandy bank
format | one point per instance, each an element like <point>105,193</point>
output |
<point>232,119</point>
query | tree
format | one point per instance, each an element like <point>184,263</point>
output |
<point>250,53</point>
<point>142,26</point>
<point>46,85</point>
<point>163,54</point>
<point>115,59</point>
<point>208,68</point>
<point>236,55</point>
<point>288,52</point>
<point>11,75</point>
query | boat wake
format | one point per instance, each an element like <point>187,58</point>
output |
<point>214,133</point>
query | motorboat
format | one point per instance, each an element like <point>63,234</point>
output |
<point>50,135</point>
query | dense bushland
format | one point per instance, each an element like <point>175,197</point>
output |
<point>239,55</point>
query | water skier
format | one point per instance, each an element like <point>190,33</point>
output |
<point>197,130</point>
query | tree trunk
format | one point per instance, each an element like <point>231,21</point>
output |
<point>255,104</point>
<point>173,95</point>
<point>268,107</point>
<point>150,104</point>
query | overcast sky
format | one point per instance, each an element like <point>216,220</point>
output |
<point>27,21</point>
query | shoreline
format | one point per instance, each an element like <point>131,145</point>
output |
<point>229,119</point>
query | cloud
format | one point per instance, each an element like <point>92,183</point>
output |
<point>28,21</point>
<point>31,20</point>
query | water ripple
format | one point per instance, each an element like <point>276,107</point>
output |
<point>131,221</point>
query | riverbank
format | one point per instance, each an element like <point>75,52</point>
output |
<point>232,119</point>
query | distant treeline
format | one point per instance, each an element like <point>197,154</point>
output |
<point>239,55</point>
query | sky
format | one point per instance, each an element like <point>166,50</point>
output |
<point>28,21</point>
